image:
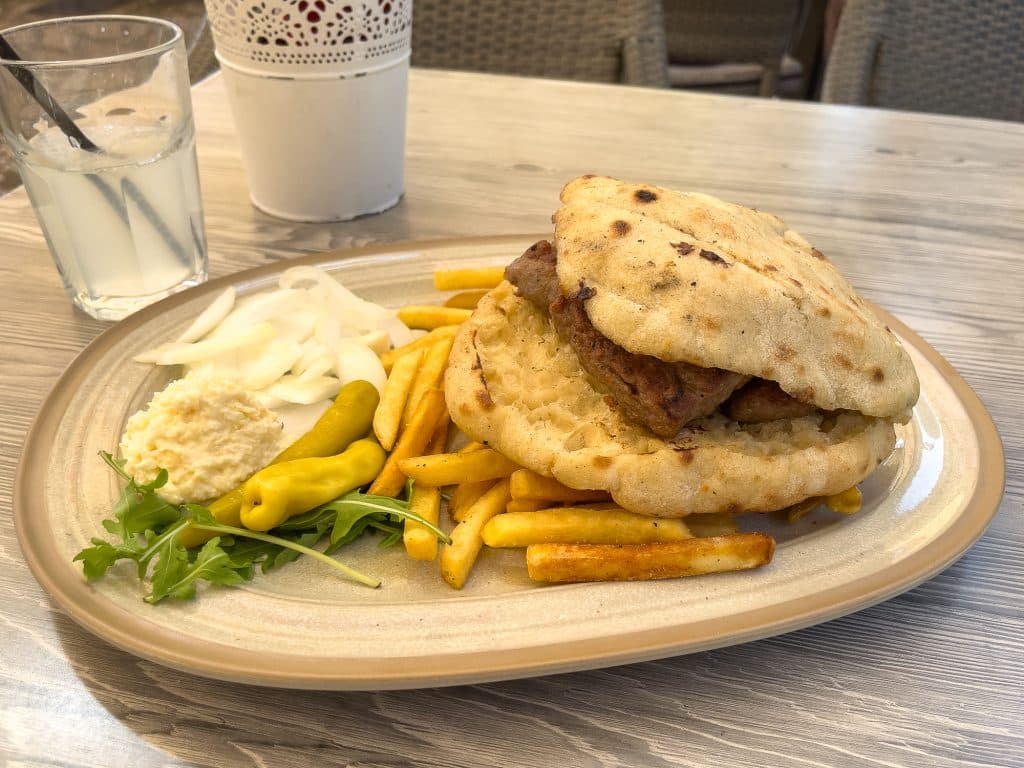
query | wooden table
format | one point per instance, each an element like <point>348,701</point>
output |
<point>925,214</point>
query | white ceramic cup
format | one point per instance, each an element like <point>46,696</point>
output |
<point>318,92</point>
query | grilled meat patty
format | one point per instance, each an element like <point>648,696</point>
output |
<point>664,396</point>
<point>533,274</point>
<point>763,400</point>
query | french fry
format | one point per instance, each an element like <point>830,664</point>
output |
<point>425,500</point>
<point>457,558</point>
<point>388,416</point>
<point>529,485</point>
<point>464,496</point>
<point>453,468</point>
<point>641,562</point>
<point>581,525</point>
<point>708,525</point>
<point>468,278</point>
<point>439,440</point>
<point>801,509</point>
<point>847,502</point>
<point>466,299</point>
<point>526,505</point>
<point>413,442</point>
<point>421,543</point>
<point>429,375</point>
<point>430,316</point>
<point>389,358</point>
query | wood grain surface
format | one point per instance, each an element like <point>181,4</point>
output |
<point>924,214</point>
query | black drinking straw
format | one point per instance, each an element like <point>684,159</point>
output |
<point>45,99</point>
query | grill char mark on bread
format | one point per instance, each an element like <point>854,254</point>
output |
<point>663,396</point>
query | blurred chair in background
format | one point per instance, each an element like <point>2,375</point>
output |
<point>732,46</point>
<point>958,58</point>
<point>596,40</point>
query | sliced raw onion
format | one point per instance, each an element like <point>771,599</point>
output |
<point>289,389</point>
<point>183,354</point>
<point>298,343</point>
<point>210,318</point>
<point>357,361</point>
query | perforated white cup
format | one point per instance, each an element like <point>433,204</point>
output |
<point>318,93</point>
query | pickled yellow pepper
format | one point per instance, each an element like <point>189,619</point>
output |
<point>349,418</point>
<point>290,488</point>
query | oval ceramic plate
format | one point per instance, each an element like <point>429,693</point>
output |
<point>303,626</point>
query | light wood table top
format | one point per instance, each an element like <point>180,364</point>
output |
<point>924,214</point>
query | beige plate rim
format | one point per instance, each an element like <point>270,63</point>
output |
<point>98,615</point>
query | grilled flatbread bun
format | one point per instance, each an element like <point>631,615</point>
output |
<point>687,277</point>
<point>513,384</point>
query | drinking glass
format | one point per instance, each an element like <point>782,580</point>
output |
<point>97,113</point>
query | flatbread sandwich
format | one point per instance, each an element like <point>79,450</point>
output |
<point>685,354</point>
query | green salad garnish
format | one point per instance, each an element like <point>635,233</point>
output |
<point>146,528</point>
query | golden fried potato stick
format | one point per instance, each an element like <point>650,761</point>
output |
<point>468,278</point>
<point>421,543</point>
<point>529,485</point>
<point>413,442</point>
<point>430,374</point>
<point>388,358</point>
<point>527,505</point>
<point>466,299</point>
<point>847,502</point>
<point>801,509</point>
<point>713,524</point>
<point>431,316</point>
<point>454,468</point>
<point>463,497</point>
<point>457,558</point>
<point>388,416</point>
<point>642,562</point>
<point>581,525</point>
<point>439,440</point>
<point>464,494</point>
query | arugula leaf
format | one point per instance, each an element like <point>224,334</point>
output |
<point>319,519</point>
<point>391,539</point>
<point>283,556</point>
<point>175,574</point>
<point>170,571</point>
<point>355,506</point>
<point>248,553</point>
<point>140,508</point>
<point>97,559</point>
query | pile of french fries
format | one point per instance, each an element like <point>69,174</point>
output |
<point>569,535</point>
